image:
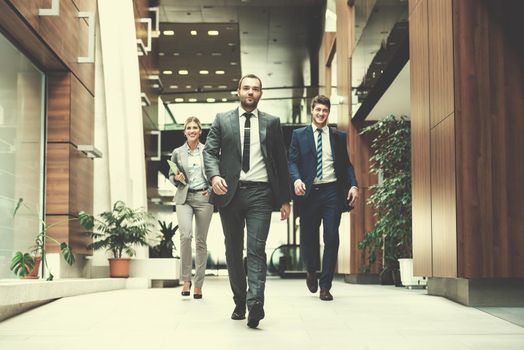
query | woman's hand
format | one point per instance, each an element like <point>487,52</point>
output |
<point>180,177</point>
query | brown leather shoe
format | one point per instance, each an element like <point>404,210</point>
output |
<point>312,282</point>
<point>325,294</point>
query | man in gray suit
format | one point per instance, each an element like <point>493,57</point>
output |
<point>245,161</point>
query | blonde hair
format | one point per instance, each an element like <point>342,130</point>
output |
<point>193,119</point>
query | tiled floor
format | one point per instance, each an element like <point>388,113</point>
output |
<point>360,317</point>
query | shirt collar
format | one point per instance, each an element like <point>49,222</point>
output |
<point>242,111</point>
<point>189,149</point>
<point>325,128</point>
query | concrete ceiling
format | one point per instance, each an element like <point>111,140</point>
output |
<point>274,39</point>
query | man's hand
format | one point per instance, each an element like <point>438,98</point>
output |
<point>300,188</point>
<point>219,185</point>
<point>352,196</point>
<point>285,209</point>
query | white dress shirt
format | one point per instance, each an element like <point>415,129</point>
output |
<point>328,166</point>
<point>257,168</point>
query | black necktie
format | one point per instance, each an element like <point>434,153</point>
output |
<point>247,142</point>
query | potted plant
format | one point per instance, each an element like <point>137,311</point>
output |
<point>117,231</point>
<point>391,198</point>
<point>165,246</point>
<point>26,264</point>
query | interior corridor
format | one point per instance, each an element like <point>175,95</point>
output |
<point>360,317</point>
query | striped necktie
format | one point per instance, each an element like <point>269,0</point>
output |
<point>319,154</point>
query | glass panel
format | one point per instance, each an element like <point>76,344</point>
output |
<point>21,151</point>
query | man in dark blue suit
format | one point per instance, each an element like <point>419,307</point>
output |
<point>325,186</point>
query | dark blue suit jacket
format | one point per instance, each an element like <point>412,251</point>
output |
<point>303,163</point>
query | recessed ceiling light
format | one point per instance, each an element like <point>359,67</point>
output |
<point>233,63</point>
<point>169,32</point>
<point>220,72</point>
<point>210,99</point>
<point>173,86</point>
<point>222,86</point>
<point>194,32</point>
<point>203,72</point>
<point>183,72</point>
<point>188,86</point>
<point>161,54</point>
<point>208,86</point>
<point>224,99</point>
<point>156,86</point>
<point>234,79</point>
<point>176,53</point>
<point>212,32</point>
<point>216,54</point>
<point>233,93</point>
<point>179,99</point>
<point>167,72</point>
<point>192,100</point>
<point>231,44</point>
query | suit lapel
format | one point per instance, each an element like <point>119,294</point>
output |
<point>332,142</point>
<point>262,131</point>
<point>201,146</point>
<point>183,161</point>
<point>234,122</point>
<point>310,138</point>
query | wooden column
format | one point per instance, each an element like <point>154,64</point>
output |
<point>467,110</point>
<point>361,218</point>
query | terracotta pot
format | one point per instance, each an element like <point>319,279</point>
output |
<point>119,267</point>
<point>34,273</point>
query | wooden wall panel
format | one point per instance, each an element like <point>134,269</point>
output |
<point>345,26</point>
<point>489,90</point>
<point>57,179</point>
<point>13,26</point>
<point>325,80</point>
<point>58,107</point>
<point>69,180</point>
<point>440,41</point>
<point>66,34</point>
<point>82,114</point>
<point>443,200</point>
<point>420,139</point>
<point>70,232</point>
<point>80,182</point>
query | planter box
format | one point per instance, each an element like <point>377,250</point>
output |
<point>406,274</point>
<point>155,269</point>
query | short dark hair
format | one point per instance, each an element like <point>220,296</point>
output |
<point>321,99</point>
<point>252,76</point>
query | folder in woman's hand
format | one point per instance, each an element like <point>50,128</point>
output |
<point>175,169</point>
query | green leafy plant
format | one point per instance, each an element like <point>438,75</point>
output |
<point>165,247</point>
<point>22,263</point>
<point>118,230</point>
<point>391,198</point>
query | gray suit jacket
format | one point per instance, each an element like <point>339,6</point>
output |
<point>179,157</point>
<point>222,156</point>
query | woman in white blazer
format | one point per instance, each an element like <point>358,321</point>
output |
<point>192,200</point>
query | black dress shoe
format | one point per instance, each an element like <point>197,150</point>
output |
<point>256,313</point>
<point>312,282</point>
<point>197,296</point>
<point>186,293</point>
<point>239,313</point>
<point>325,294</point>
